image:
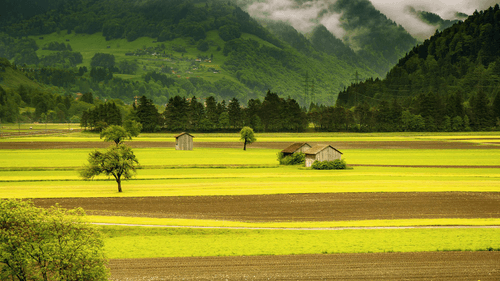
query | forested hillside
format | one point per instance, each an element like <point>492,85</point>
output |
<point>182,42</point>
<point>451,81</point>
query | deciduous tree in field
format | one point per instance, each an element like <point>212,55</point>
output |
<point>48,244</point>
<point>118,133</point>
<point>118,161</point>
<point>247,136</point>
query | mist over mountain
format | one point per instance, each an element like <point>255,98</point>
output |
<point>378,41</point>
<point>413,14</point>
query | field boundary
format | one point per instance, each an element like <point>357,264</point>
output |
<point>305,228</point>
<point>429,166</point>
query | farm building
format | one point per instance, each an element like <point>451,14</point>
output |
<point>321,152</point>
<point>296,147</point>
<point>184,141</point>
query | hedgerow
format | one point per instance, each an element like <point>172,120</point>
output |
<point>337,164</point>
<point>293,159</point>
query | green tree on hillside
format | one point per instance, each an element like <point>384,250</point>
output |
<point>103,60</point>
<point>48,244</point>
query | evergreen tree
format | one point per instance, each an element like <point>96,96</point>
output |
<point>196,113</point>
<point>235,114</point>
<point>481,110</point>
<point>148,115</point>
<point>177,114</point>
<point>211,110</point>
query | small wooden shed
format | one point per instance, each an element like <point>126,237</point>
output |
<point>321,152</point>
<point>296,147</point>
<point>184,141</point>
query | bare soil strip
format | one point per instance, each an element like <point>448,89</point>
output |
<point>303,228</point>
<point>296,207</point>
<point>379,266</point>
<point>270,145</point>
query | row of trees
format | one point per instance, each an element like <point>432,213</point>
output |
<point>272,114</point>
<point>426,112</point>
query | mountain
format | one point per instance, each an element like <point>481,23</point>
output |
<point>187,48</point>
<point>356,24</point>
<point>455,73</point>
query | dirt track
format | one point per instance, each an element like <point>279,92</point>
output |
<point>341,145</point>
<point>296,207</point>
<point>383,266</point>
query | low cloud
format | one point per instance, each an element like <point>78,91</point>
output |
<point>302,16</point>
<point>402,12</point>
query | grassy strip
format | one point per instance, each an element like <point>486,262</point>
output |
<point>59,158</point>
<point>261,137</point>
<point>140,242</point>
<point>201,157</point>
<point>282,180</point>
<point>209,187</point>
<point>312,224</point>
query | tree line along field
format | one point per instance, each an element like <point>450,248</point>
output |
<point>402,194</point>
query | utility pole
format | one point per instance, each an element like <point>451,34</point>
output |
<point>306,88</point>
<point>356,80</point>
<point>313,100</point>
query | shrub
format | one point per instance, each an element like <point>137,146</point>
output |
<point>294,159</point>
<point>338,164</point>
<point>48,244</point>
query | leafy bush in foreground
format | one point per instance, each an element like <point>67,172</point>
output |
<point>337,164</point>
<point>294,159</point>
<point>48,244</point>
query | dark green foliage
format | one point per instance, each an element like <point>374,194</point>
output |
<point>101,116</point>
<point>56,46</point>
<point>229,32</point>
<point>99,74</point>
<point>203,46</point>
<point>297,158</point>
<point>176,114</point>
<point>103,60</point>
<point>435,20</point>
<point>337,164</point>
<point>235,113</point>
<point>63,59</point>
<point>148,115</point>
<point>128,67</point>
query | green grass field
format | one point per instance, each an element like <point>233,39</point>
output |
<point>245,181</point>
<point>135,242</point>
<point>52,173</point>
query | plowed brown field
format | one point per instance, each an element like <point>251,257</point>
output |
<point>383,266</point>
<point>296,207</point>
